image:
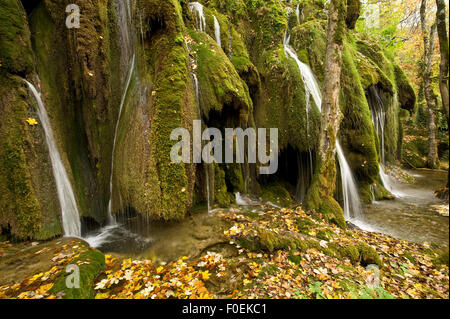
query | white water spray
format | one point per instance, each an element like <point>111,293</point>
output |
<point>197,97</point>
<point>69,211</point>
<point>377,108</point>
<point>297,12</point>
<point>217,31</point>
<point>352,206</point>
<point>240,201</point>
<point>197,8</point>
<point>111,219</point>
<point>378,118</point>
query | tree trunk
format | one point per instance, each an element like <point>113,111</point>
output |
<point>444,67</point>
<point>430,96</point>
<point>320,194</point>
<point>443,41</point>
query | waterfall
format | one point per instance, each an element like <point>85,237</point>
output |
<point>208,187</point>
<point>378,117</point>
<point>122,102</point>
<point>311,85</point>
<point>352,203</point>
<point>377,109</point>
<point>123,9</point>
<point>352,206</point>
<point>200,20</point>
<point>124,22</point>
<point>297,12</point>
<point>240,201</point>
<point>217,31</point>
<point>69,211</point>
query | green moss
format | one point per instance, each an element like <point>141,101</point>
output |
<point>357,132</point>
<point>368,255</point>
<point>77,103</point>
<point>406,93</point>
<point>219,81</point>
<point>271,241</point>
<point>415,153</point>
<point>16,56</point>
<point>221,195</point>
<point>91,265</point>
<point>352,253</point>
<point>30,207</point>
<point>268,270</point>
<point>325,235</point>
<point>319,199</point>
<point>277,194</point>
<point>353,12</point>
<point>295,259</point>
<point>269,21</point>
<point>410,257</point>
<point>375,55</point>
<point>20,209</point>
<point>309,40</point>
<point>304,224</point>
<point>234,177</point>
<point>282,102</point>
<point>172,81</point>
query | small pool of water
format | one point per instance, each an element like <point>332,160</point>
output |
<point>411,216</point>
<point>163,241</point>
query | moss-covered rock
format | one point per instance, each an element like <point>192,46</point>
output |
<point>357,132</point>
<point>77,101</point>
<point>165,190</point>
<point>277,194</point>
<point>405,91</point>
<point>91,264</point>
<point>368,255</point>
<point>29,203</point>
<point>219,83</point>
<point>353,12</point>
<point>221,195</point>
<point>16,56</point>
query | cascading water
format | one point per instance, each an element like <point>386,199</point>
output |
<point>69,211</point>
<point>208,188</point>
<point>197,8</point>
<point>122,102</point>
<point>352,206</point>
<point>311,85</point>
<point>123,9</point>
<point>240,201</point>
<point>352,203</point>
<point>378,117</point>
<point>377,108</point>
<point>128,58</point>
<point>217,31</point>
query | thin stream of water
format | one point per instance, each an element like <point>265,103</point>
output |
<point>69,210</point>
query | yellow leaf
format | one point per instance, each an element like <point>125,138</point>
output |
<point>206,275</point>
<point>31,121</point>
